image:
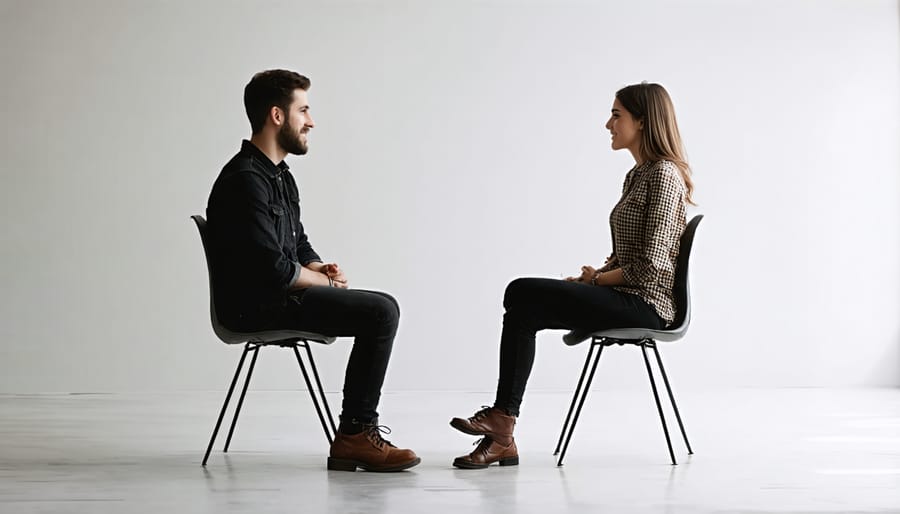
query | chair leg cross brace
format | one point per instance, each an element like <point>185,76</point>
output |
<point>582,388</point>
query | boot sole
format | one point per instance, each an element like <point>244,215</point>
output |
<point>464,428</point>
<point>351,465</point>
<point>463,464</point>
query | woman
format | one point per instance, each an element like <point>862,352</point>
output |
<point>633,288</point>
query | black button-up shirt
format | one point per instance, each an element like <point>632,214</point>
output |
<point>257,240</point>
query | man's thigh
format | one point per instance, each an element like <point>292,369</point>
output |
<point>337,312</point>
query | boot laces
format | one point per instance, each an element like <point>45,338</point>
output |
<point>373,433</point>
<point>483,413</point>
<point>483,445</point>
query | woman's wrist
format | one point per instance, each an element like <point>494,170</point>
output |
<point>595,280</point>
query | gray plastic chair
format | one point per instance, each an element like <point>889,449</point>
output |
<point>642,337</point>
<point>252,342</point>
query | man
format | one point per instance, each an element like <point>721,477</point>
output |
<point>267,275</point>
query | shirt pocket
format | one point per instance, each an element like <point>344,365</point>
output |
<point>278,217</point>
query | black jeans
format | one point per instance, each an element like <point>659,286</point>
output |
<point>370,316</point>
<point>534,304</point>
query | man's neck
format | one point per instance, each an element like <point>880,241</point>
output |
<point>269,146</point>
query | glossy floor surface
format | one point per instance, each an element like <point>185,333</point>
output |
<point>756,450</point>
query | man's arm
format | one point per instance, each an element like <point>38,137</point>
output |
<point>240,208</point>
<point>309,277</point>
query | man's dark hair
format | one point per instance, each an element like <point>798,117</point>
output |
<point>270,88</point>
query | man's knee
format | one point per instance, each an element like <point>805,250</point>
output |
<point>384,312</point>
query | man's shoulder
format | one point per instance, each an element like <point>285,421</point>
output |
<point>242,170</point>
<point>243,164</point>
<point>241,177</point>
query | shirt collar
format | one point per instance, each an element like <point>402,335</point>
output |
<point>271,168</point>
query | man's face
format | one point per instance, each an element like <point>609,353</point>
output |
<point>292,136</point>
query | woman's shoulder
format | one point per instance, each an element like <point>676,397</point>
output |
<point>665,172</point>
<point>664,166</point>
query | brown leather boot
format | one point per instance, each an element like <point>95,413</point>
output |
<point>369,451</point>
<point>489,421</point>
<point>488,452</point>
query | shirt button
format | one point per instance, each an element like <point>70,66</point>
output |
<point>294,234</point>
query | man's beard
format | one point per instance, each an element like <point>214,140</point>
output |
<point>289,139</point>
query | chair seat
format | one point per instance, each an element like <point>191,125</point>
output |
<point>270,336</point>
<point>625,334</point>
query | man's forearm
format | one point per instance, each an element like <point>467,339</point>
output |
<point>309,278</point>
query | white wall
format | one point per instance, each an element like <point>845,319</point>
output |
<point>458,145</point>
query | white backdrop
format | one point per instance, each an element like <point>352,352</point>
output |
<point>458,145</point>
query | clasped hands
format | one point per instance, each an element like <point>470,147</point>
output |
<point>589,273</point>
<point>331,270</point>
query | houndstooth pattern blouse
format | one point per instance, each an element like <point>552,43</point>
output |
<point>646,228</point>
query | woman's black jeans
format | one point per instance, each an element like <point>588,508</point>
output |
<point>371,317</point>
<point>534,304</point>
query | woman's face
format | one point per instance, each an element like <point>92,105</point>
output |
<point>625,130</point>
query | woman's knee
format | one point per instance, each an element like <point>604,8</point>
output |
<point>518,292</point>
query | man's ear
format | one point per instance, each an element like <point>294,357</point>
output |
<point>276,115</point>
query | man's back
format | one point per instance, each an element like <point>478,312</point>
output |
<point>254,221</point>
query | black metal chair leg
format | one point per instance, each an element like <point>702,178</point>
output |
<point>312,364</point>
<point>562,433</point>
<point>237,411</point>
<point>312,395</point>
<point>587,387</point>
<point>225,405</point>
<point>662,370</point>
<point>662,417</point>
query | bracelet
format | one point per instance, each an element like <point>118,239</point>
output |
<point>330,281</point>
<point>594,278</point>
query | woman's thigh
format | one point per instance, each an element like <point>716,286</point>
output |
<point>552,303</point>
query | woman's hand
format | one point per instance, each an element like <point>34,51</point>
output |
<point>587,274</point>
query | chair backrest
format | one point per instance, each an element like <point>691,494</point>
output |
<point>223,333</point>
<point>682,288</point>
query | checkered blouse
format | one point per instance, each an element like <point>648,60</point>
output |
<point>646,227</point>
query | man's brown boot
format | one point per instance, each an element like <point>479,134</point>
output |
<point>369,451</point>
<point>489,421</point>
<point>488,452</point>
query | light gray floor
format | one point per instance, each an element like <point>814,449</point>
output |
<point>794,450</point>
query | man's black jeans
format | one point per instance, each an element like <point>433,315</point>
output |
<point>369,316</point>
<point>534,304</point>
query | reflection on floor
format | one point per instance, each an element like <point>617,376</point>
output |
<point>777,450</point>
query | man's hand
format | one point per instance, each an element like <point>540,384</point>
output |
<point>326,271</point>
<point>333,271</point>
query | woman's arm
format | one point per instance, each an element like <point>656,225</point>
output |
<point>596,277</point>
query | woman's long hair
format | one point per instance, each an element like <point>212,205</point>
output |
<point>660,138</point>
